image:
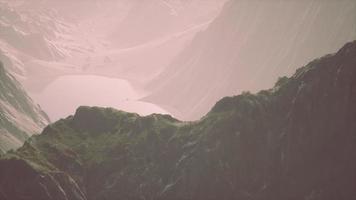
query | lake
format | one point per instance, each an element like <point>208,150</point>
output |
<point>64,95</point>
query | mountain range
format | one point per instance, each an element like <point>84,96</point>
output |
<point>43,42</point>
<point>184,54</point>
<point>247,47</point>
<point>293,141</point>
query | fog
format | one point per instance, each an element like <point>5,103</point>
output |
<point>162,56</point>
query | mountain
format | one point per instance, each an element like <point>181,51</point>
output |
<point>294,141</point>
<point>148,20</point>
<point>26,33</point>
<point>20,117</point>
<point>247,47</point>
<point>43,42</point>
<point>151,33</point>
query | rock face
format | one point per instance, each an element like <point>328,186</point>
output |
<point>294,141</point>
<point>56,185</point>
<point>20,117</point>
<point>247,47</point>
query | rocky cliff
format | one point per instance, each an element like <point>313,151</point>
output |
<point>20,117</point>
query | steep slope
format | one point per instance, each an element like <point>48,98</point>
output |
<point>151,20</point>
<point>152,33</point>
<point>247,47</point>
<point>294,141</point>
<point>20,117</point>
<point>27,33</point>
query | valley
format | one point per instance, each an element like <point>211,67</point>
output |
<point>66,93</point>
<point>177,100</point>
<point>41,47</point>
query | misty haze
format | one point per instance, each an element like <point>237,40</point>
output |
<point>182,55</point>
<point>177,99</point>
